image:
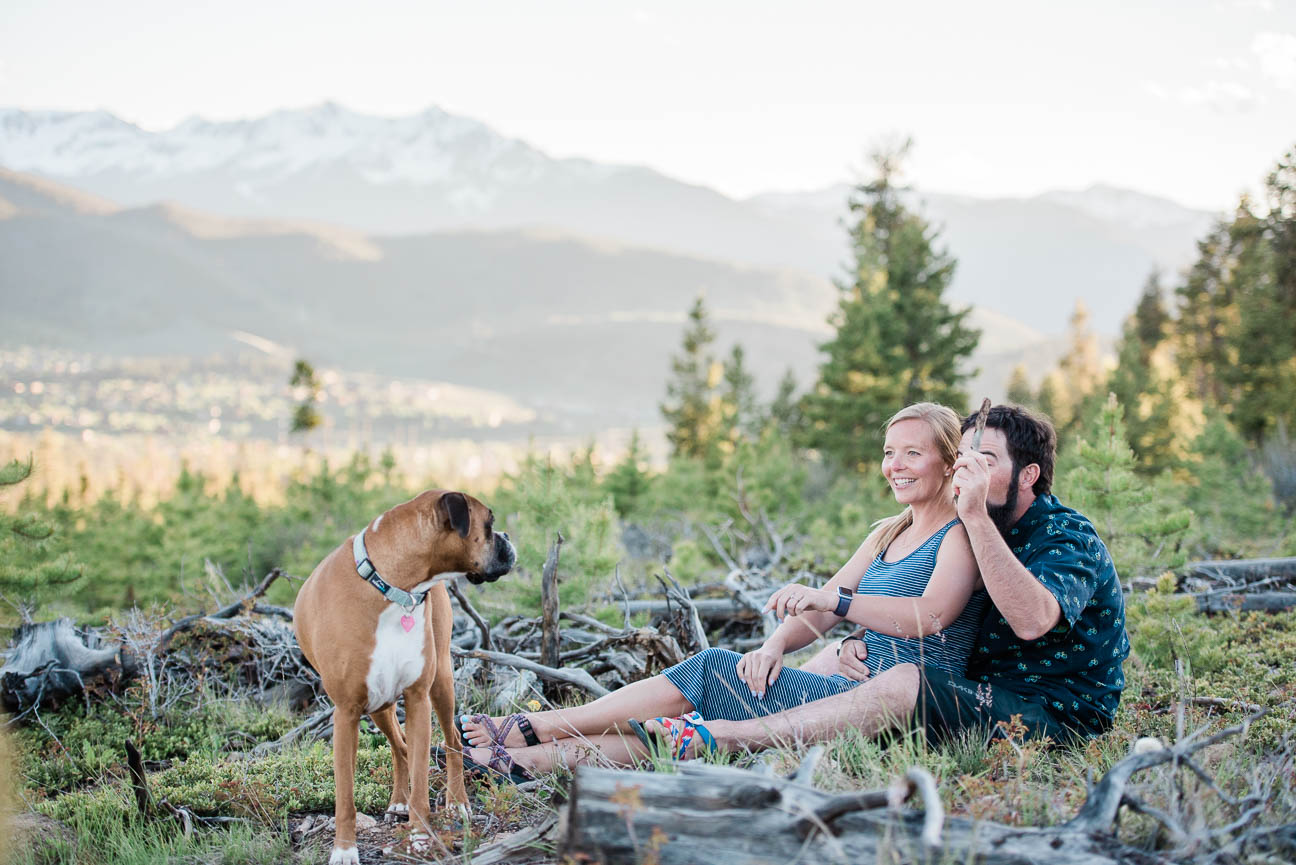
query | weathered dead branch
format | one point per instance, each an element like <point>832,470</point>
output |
<point>549,638</point>
<point>567,676</point>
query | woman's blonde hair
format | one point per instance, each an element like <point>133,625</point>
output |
<point>944,424</point>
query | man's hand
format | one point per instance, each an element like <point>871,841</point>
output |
<point>795,599</point>
<point>852,660</point>
<point>971,484</point>
<point>760,669</point>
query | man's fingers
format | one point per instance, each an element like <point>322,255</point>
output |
<point>852,660</point>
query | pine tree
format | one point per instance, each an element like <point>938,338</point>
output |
<point>692,407</point>
<point>1207,316</point>
<point>1263,379</point>
<point>629,480</point>
<point>1048,399</point>
<point>1143,531</point>
<point>1019,389</point>
<point>739,410</point>
<point>29,567</point>
<point>1079,376</point>
<point>1234,511</point>
<point>784,412</point>
<point>306,388</point>
<point>1160,416</point>
<point>897,341</point>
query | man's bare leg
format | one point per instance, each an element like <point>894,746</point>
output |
<point>608,714</point>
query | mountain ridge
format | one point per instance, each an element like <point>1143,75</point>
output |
<point>434,171</point>
<point>518,313</point>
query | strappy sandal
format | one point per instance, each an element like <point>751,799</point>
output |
<point>500,767</point>
<point>680,732</point>
<point>497,734</point>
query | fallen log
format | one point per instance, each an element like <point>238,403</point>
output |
<point>710,813</point>
<point>1267,602</point>
<point>1241,570</point>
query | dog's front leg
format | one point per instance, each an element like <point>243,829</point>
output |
<point>443,700</point>
<point>346,734</point>
<point>418,741</point>
<point>398,805</point>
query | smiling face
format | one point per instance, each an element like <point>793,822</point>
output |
<point>912,463</point>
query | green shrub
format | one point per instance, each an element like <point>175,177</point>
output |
<point>1164,626</point>
<point>543,498</point>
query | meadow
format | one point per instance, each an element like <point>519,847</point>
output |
<point>207,539</point>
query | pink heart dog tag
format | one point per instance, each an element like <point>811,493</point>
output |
<point>407,622</point>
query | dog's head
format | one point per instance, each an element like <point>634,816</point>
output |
<point>467,537</point>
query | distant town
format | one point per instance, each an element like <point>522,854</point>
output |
<point>240,397</point>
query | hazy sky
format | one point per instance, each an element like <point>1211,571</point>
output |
<point>1184,98</point>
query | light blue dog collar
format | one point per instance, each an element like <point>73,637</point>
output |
<point>366,569</point>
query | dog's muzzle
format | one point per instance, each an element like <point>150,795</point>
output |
<point>504,557</point>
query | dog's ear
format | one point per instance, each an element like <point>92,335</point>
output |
<point>454,509</point>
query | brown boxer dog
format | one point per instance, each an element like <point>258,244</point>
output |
<point>374,620</point>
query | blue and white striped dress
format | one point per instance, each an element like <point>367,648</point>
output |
<point>709,680</point>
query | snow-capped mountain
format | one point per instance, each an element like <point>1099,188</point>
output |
<point>431,148</point>
<point>434,171</point>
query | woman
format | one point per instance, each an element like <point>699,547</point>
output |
<point>916,592</point>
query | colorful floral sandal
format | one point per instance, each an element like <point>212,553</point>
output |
<point>680,731</point>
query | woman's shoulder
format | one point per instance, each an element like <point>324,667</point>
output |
<point>952,530</point>
<point>956,539</point>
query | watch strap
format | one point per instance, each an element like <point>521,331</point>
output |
<point>844,598</point>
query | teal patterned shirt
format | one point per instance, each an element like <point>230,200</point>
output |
<point>1075,669</point>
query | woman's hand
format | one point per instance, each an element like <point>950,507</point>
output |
<point>795,599</point>
<point>760,669</point>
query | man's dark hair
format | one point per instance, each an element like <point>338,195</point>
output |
<point>1031,439</point>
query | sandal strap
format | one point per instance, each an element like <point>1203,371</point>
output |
<point>509,723</point>
<point>528,732</point>
<point>501,760</point>
<point>491,729</point>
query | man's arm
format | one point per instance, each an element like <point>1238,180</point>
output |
<point>1025,603</point>
<point>1029,608</point>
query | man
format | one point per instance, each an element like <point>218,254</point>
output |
<point>1052,641</point>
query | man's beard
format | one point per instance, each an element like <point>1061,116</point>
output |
<point>1002,515</point>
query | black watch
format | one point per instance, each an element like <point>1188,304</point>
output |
<point>844,598</point>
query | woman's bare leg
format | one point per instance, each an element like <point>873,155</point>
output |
<point>608,714</point>
<point>566,753</point>
<point>881,703</point>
